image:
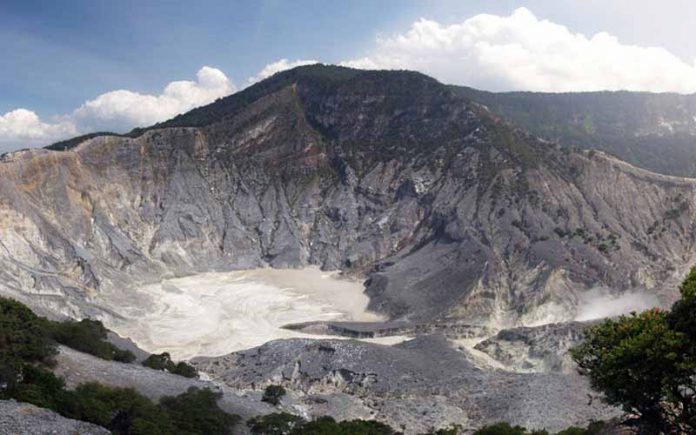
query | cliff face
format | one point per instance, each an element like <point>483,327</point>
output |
<point>445,209</point>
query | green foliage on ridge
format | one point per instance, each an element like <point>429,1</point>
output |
<point>646,363</point>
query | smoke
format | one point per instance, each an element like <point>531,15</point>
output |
<point>597,304</point>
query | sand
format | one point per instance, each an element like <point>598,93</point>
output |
<point>213,314</point>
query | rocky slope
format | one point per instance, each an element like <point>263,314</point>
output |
<point>418,385</point>
<point>25,419</point>
<point>445,209</point>
<point>653,131</point>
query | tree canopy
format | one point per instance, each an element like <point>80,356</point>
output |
<point>646,363</point>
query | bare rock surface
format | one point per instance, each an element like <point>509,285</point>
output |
<point>540,349</point>
<point>422,383</point>
<point>18,418</point>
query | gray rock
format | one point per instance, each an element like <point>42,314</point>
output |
<point>18,418</point>
<point>540,349</point>
<point>417,385</point>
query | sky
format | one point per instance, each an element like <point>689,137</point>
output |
<point>78,66</point>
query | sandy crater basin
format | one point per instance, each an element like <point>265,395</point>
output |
<point>216,313</point>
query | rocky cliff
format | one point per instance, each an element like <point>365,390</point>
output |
<point>445,209</point>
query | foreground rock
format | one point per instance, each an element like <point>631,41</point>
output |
<point>24,419</point>
<point>418,385</point>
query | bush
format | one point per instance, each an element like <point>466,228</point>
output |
<point>24,339</point>
<point>196,411</point>
<point>124,410</point>
<point>38,386</point>
<point>501,429</point>
<point>280,423</point>
<point>287,424</point>
<point>163,361</point>
<point>272,394</point>
<point>88,336</point>
<point>121,410</point>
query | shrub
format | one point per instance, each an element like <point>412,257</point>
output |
<point>88,336</point>
<point>279,423</point>
<point>282,423</point>
<point>163,361</point>
<point>501,429</point>
<point>24,339</point>
<point>272,394</point>
<point>196,411</point>
<point>38,386</point>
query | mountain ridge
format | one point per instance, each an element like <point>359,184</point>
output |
<point>445,208</point>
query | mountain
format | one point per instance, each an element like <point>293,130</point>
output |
<point>653,131</point>
<point>446,209</point>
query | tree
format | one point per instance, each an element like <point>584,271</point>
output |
<point>645,363</point>
<point>163,361</point>
<point>279,423</point>
<point>24,339</point>
<point>272,394</point>
<point>501,429</point>
<point>197,412</point>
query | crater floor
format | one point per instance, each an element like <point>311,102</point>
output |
<point>217,313</point>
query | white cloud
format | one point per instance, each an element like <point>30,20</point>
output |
<point>21,128</point>
<point>278,66</point>
<point>515,52</point>
<point>522,52</point>
<point>119,111</point>
<point>123,109</point>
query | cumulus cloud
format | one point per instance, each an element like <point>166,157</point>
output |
<point>278,66</point>
<point>123,109</point>
<point>596,304</point>
<point>20,128</point>
<point>522,52</point>
<point>119,110</point>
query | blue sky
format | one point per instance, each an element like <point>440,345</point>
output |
<point>57,55</point>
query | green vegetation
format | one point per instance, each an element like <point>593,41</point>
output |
<point>288,424</point>
<point>88,336</point>
<point>163,361</point>
<point>621,123</point>
<point>282,423</point>
<point>322,77</point>
<point>272,394</point>
<point>24,339</point>
<point>593,428</point>
<point>279,423</point>
<point>27,348</point>
<point>646,363</point>
<point>28,337</point>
